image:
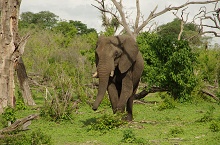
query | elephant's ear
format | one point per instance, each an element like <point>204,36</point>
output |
<point>130,51</point>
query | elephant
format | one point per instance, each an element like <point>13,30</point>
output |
<point>119,66</point>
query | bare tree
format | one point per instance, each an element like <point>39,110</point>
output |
<point>137,27</point>
<point>23,81</point>
<point>211,16</point>
<point>11,49</point>
<point>183,22</point>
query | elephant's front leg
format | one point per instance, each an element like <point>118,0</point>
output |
<point>113,96</point>
<point>126,92</point>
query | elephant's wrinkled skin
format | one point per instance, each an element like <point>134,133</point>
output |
<point>119,67</point>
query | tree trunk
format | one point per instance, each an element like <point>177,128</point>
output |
<point>23,80</point>
<point>11,48</point>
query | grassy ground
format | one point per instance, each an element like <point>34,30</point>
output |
<point>187,124</point>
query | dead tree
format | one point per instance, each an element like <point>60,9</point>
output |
<point>211,16</point>
<point>23,81</point>
<point>11,49</point>
<point>19,125</point>
<point>137,27</point>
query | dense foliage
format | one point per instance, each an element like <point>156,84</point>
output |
<point>169,64</point>
<point>43,19</point>
<point>172,30</point>
<point>55,64</point>
<point>208,67</point>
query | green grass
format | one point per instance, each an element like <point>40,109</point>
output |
<point>179,125</point>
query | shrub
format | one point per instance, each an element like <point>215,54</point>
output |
<point>107,122</point>
<point>129,137</point>
<point>58,109</point>
<point>168,102</point>
<point>8,116</point>
<point>20,105</point>
<point>168,64</point>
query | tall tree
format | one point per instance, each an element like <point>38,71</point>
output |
<point>11,49</point>
<point>43,19</point>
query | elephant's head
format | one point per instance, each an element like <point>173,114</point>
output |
<point>112,52</point>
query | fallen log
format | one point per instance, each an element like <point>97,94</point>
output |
<point>210,94</point>
<point>20,124</point>
<point>145,92</point>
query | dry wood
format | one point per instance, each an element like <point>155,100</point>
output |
<point>144,93</point>
<point>24,85</point>
<point>138,28</point>
<point>11,49</point>
<point>210,94</point>
<point>21,124</point>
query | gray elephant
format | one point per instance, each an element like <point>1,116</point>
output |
<point>119,67</point>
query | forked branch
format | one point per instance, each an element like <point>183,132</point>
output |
<point>137,26</point>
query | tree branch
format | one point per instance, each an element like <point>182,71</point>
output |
<point>214,18</point>
<point>145,92</point>
<point>137,27</point>
<point>104,10</point>
<point>123,18</point>
<point>138,16</point>
<point>169,8</point>
<point>210,94</point>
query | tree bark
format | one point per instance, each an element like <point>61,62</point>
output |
<point>11,48</point>
<point>24,85</point>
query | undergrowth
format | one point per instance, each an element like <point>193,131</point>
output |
<point>107,122</point>
<point>130,137</point>
<point>208,116</point>
<point>33,138</point>
<point>168,102</point>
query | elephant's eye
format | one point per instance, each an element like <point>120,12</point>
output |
<point>116,54</point>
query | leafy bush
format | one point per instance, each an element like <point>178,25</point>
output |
<point>129,137</point>
<point>168,64</point>
<point>8,116</point>
<point>107,122</point>
<point>61,105</point>
<point>20,105</point>
<point>168,102</point>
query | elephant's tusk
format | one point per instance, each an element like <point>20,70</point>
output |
<point>112,73</point>
<point>95,75</point>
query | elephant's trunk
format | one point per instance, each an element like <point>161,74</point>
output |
<point>103,83</point>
